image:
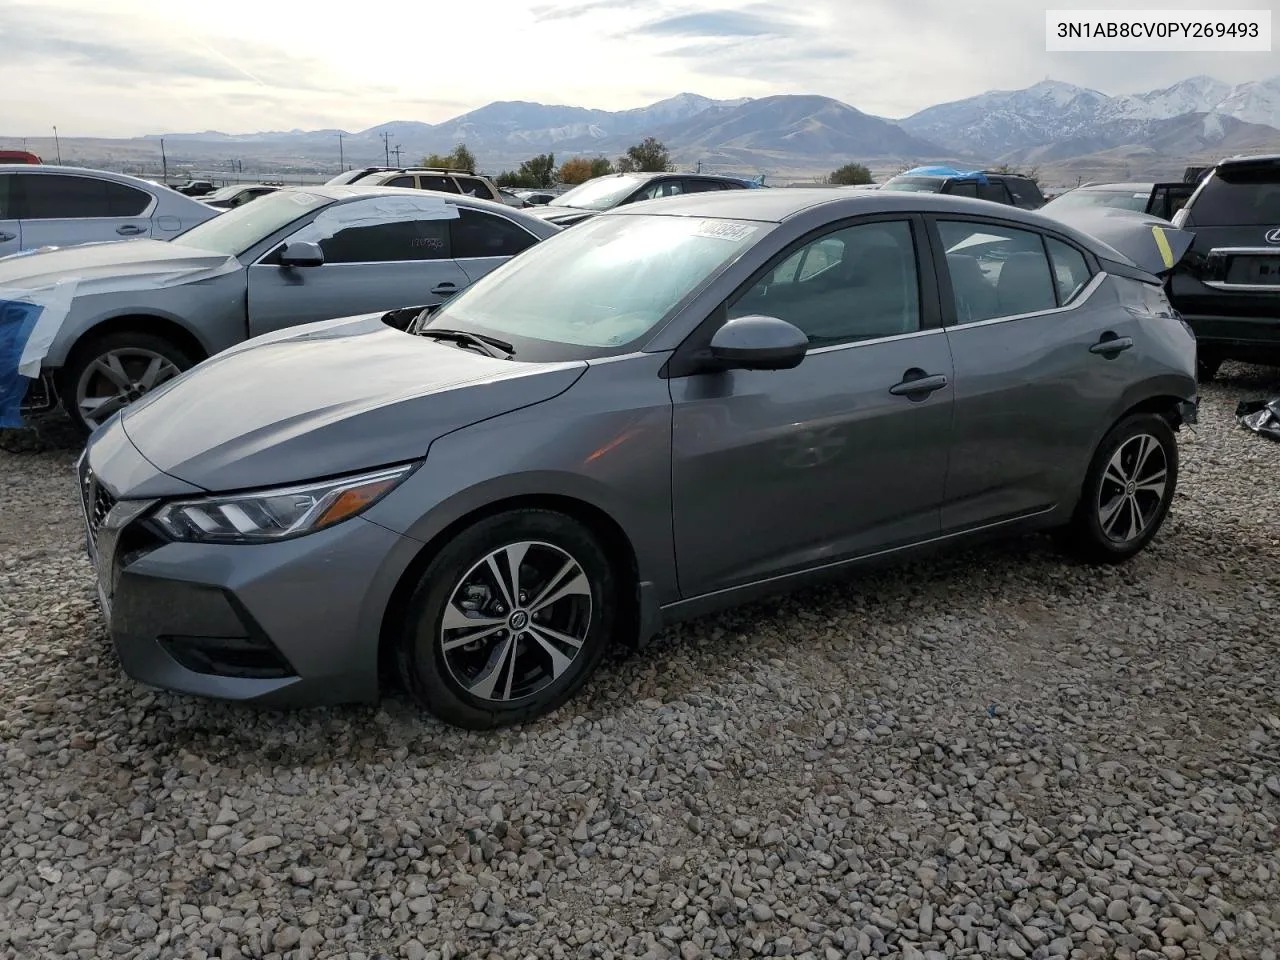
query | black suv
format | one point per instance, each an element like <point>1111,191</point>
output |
<point>1227,286</point>
<point>1010,189</point>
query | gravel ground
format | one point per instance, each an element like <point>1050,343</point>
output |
<point>990,755</point>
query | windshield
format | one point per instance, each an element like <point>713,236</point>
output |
<point>915,184</point>
<point>601,193</point>
<point>1122,199</point>
<point>222,193</point>
<point>599,288</point>
<point>234,232</point>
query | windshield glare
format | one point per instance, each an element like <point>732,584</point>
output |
<point>914,184</point>
<point>1121,199</point>
<point>601,193</point>
<point>240,228</point>
<point>599,288</point>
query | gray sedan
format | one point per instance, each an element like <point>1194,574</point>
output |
<point>718,397</point>
<point>143,311</point>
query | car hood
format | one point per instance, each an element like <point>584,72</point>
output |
<point>552,213</point>
<point>112,264</point>
<point>325,399</point>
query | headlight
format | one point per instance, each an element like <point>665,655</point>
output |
<point>277,514</point>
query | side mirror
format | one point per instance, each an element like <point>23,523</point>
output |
<point>301,253</point>
<point>758,343</point>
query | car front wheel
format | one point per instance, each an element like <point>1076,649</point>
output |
<point>1127,491</point>
<point>509,620</point>
<point>108,373</point>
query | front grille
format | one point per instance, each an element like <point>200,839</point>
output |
<point>97,503</point>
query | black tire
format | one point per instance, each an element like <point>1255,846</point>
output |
<point>1086,535</point>
<point>435,679</point>
<point>1207,365</point>
<point>90,351</point>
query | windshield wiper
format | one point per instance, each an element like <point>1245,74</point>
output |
<point>490,345</point>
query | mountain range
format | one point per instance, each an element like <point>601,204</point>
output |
<point>1051,124</point>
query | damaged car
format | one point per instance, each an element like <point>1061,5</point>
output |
<point>719,397</point>
<point>103,324</point>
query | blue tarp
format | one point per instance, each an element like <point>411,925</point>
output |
<point>17,320</point>
<point>951,172</point>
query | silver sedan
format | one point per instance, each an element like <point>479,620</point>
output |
<point>141,312</point>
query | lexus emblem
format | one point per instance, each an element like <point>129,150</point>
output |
<point>1273,235</point>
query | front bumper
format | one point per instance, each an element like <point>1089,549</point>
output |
<point>290,623</point>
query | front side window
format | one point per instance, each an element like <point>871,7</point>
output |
<point>238,230</point>
<point>600,288</point>
<point>475,234</point>
<point>443,184</point>
<point>392,242</point>
<point>996,271</point>
<point>859,283</point>
<point>702,186</point>
<point>63,196</point>
<point>963,188</point>
<point>659,188</point>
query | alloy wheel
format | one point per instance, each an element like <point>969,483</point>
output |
<point>117,378</point>
<point>516,621</point>
<point>1133,488</point>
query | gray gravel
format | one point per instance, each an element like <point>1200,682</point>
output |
<point>990,755</point>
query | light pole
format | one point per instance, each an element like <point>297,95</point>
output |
<point>57,145</point>
<point>342,163</point>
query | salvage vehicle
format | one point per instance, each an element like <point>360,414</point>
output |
<point>618,189</point>
<point>46,205</point>
<point>673,408</point>
<point>1228,285</point>
<point>1158,199</point>
<point>993,186</point>
<point>140,313</point>
<point>237,195</point>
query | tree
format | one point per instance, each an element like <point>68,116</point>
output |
<point>460,159</point>
<point>577,170</point>
<point>851,174</point>
<point>649,155</point>
<point>537,171</point>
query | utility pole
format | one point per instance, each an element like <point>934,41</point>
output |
<point>164,164</point>
<point>342,163</point>
<point>396,151</point>
<point>698,169</point>
<point>386,146</point>
<point>58,145</point>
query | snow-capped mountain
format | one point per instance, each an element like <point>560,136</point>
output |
<point>1002,122</point>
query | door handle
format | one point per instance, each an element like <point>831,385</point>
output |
<point>130,230</point>
<point>917,384</point>
<point>1109,345</point>
<point>6,237</point>
<point>447,287</point>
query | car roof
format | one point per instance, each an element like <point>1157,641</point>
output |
<point>1256,158</point>
<point>1126,185</point>
<point>48,168</point>
<point>345,193</point>
<point>776,206</point>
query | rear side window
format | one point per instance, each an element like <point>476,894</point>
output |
<point>59,196</point>
<point>475,187</point>
<point>444,184</point>
<point>963,188</point>
<point>401,182</point>
<point>1070,270</point>
<point>5,211</point>
<point>1241,197</point>
<point>702,186</point>
<point>996,271</point>
<point>477,234</point>
<point>993,191</point>
<point>389,242</point>
<point>1025,193</point>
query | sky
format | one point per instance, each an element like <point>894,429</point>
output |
<point>133,67</point>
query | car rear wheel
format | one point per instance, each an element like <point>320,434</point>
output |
<point>108,373</point>
<point>508,620</point>
<point>1127,491</point>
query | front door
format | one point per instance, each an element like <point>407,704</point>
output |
<point>63,209</point>
<point>779,471</point>
<point>1030,391</point>
<point>482,242</point>
<point>367,267</point>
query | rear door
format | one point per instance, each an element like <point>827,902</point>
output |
<point>368,267</point>
<point>481,241</point>
<point>1023,311</point>
<point>61,209</point>
<point>10,225</point>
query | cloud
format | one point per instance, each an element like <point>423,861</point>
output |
<point>569,10</point>
<point>718,23</point>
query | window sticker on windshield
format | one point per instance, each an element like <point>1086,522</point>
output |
<point>731,230</point>
<point>305,199</point>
